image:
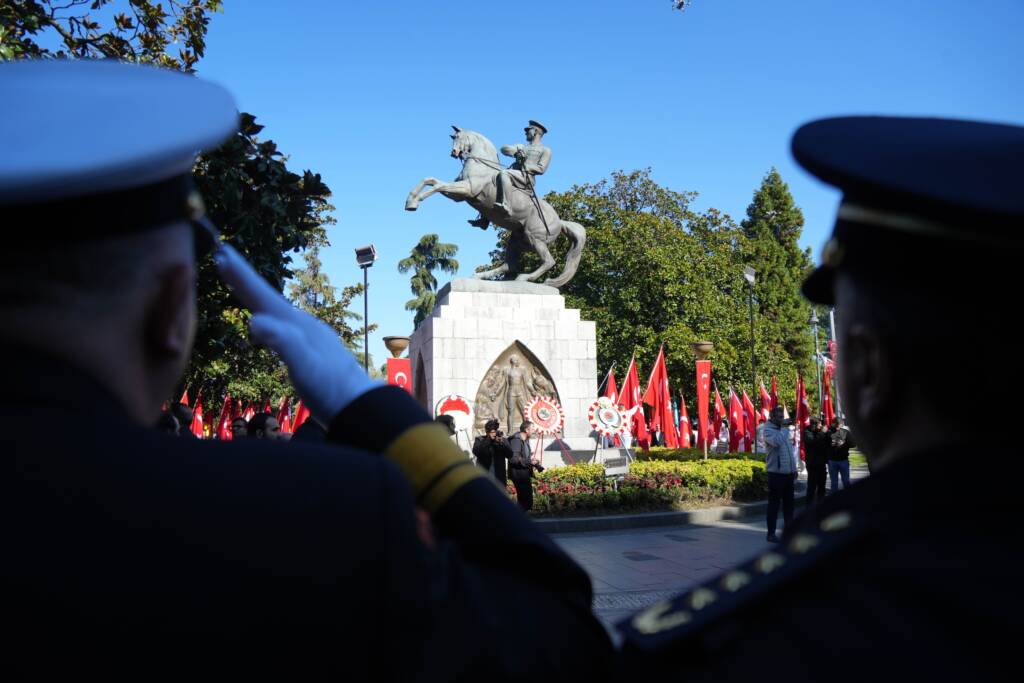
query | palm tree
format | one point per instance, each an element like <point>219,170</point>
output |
<point>427,256</point>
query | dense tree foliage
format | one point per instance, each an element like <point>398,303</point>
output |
<point>428,255</point>
<point>655,272</point>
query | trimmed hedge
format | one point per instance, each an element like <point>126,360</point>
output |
<point>692,454</point>
<point>653,485</point>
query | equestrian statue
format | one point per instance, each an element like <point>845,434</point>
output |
<point>507,198</point>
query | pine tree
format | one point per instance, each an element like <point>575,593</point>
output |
<point>428,255</point>
<point>773,227</point>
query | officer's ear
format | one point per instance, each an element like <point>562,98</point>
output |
<point>171,318</point>
<point>868,371</point>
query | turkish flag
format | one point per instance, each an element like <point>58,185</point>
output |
<point>249,412</point>
<point>224,421</point>
<point>197,417</point>
<point>659,397</point>
<point>749,423</point>
<point>803,413</point>
<point>400,373</point>
<point>284,414</point>
<point>184,397</point>
<point>685,431</point>
<point>826,401</point>
<point>301,415</point>
<point>775,393</point>
<point>736,428</point>
<point>766,404</point>
<point>719,415</point>
<point>629,397</point>
<point>703,398</point>
<point>611,391</point>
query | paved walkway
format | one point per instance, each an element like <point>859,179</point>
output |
<point>634,568</point>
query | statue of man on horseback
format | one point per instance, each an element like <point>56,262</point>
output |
<point>531,160</point>
<point>507,198</point>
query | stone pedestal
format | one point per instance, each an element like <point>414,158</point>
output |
<point>477,324</point>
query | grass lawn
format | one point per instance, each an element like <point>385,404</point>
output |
<point>857,459</point>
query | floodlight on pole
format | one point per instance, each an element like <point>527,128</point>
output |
<point>365,256</point>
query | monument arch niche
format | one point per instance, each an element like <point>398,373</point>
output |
<point>477,325</point>
<point>515,376</point>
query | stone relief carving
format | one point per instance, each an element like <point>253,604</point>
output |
<point>514,378</point>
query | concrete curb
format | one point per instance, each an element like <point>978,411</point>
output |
<point>569,525</point>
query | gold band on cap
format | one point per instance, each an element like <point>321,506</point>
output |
<point>903,222</point>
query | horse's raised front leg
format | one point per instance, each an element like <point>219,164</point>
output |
<point>412,202</point>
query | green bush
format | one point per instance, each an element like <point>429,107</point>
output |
<point>650,485</point>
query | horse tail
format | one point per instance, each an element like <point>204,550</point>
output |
<point>578,236</point>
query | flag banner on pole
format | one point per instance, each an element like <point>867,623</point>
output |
<point>749,423</point>
<point>197,417</point>
<point>301,415</point>
<point>775,393</point>
<point>826,401</point>
<point>400,373</point>
<point>703,400</point>
<point>224,422</point>
<point>611,390</point>
<point>685,430</point>
<point>284,415</point>
<point>659,397</point>
<point>736,424</point>
<point>629,397</point>
<point>766,404</point>
<point>184,397</point>
<point>720,416</point>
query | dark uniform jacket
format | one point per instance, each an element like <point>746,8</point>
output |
<point>906,575</point>
<point>816,447</point>
<point>520,465</point>
<point>130,554</point>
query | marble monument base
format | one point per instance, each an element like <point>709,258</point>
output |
<point>466,347</point>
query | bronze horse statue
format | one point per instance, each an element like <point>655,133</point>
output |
<point>531,221</point>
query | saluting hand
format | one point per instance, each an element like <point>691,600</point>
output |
<point>326,375</point>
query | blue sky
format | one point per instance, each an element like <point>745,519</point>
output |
<point>364,93</point>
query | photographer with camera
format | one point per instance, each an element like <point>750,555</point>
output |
<point>817,445</point>
<point>780,464</point>
<point>522,464</point>
<point>492,451</point>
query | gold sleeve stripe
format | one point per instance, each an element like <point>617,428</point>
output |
<point>433,464</point>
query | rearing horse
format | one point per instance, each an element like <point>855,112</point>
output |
<point>530,220</point>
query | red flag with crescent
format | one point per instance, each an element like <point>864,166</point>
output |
<point>400,373</point>
<point>703,399</point>
<point>629,397</point>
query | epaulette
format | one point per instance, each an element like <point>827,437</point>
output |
<point>674,621</point>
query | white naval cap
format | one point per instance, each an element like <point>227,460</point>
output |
<point>105,142</point>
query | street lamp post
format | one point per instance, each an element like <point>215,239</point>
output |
<point>748,275</point>
<point>817,355</point>
<point>365,256</point>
